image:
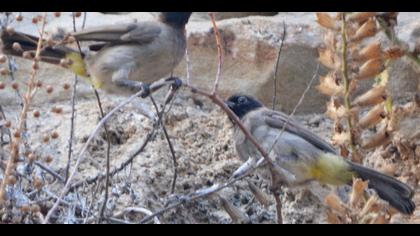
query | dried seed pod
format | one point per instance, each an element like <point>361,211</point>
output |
<point>261,197</point>
<point>389,169</point>
<point>368,29</point>
<point>57,110</point>
<point>373,117</point>
<point>329,85</point>
<point>326,21</point>
<point>48,159</point>
<point>37,114</point>
<point>39,83</point>
<point>370,69</point>
<point>17,47</point>
<point>394,53</point>
<point>35,20</point>
<point>2,85</point>
<point>334,203</point>
<point>78,14</point>
<point>3,58</point>
<point>35,65</point>
<point>25,208</point>
<point>329,59</point>
<point>66,86</point>
<point>370,206</point>
<point>371,51</point>
<point>330,40</point>
<point>381,138</point>
<point>57,14</point>
<point>340,139</point>
<point>4,71</point>
<point>372,97</point>
<point>379,219</point>
<point>35,208</point>
<point>46,138</point>
<point>54,135</point>
<point>333,218</point>
<point>236,214</point>
<point>8,124</point>
<point>335,110</point>
<point>15,85</point>
<point>50,89</point>
<point>17,135</point>
<point>19,18</point>
<point>361,17</point>
<point>359,186</point>
<point>10,30</point>
<point>37,183</point>
<point>32,157</point>
<point>11,180</point>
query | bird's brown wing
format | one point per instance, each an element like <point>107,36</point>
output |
<point>278,120</point>
<point>141,33</point>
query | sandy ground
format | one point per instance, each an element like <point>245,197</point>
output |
<point>201,136</point>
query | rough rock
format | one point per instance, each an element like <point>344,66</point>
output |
<point>251,46</point>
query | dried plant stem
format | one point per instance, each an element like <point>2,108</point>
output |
<point>344,70</point>
<point>108,153</point>
<point>73,103</point>
<point>199,194</point>
<point>153,87</point>
<point>3,116</point>
<point>219,53</point>
<point>67,186</point>
<point>277,66</point>
<point>73,114</point>
<point>16,140</point>
<point>171,147</point>
<point>278,206</point>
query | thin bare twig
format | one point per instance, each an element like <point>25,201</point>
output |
<point>187,59</point>
<point>171,148</point>
<point>199,194</point>
<point>301,99</point>
<point>219,102</point>
<point>154,87</point>
<point>108,153</point>
<point>73,102</point>
<point>219,53</point>
<point>136,210</point>
<point>51,172</point>
<point>278,65</point>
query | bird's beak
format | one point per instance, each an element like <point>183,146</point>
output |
<point>230,104</point>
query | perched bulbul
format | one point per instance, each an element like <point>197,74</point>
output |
<point>302,156</point>
<point>123,58</point>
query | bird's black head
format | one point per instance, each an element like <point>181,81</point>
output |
<point>243,104</point>
<point>176,19</point>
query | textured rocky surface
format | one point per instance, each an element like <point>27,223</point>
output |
<point>201,132</point>
<point>251,45</point>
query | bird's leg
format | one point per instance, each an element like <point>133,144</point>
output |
<point>176,83</point>
<point>132,86</point>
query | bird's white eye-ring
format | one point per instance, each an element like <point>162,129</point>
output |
<point>242,100</point>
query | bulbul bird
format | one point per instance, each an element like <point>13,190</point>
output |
<point>303,157</point>
<point>123,58</point>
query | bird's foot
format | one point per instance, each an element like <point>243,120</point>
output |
<point>145,90</point>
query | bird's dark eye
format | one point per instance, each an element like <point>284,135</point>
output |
<point>242,100</point>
